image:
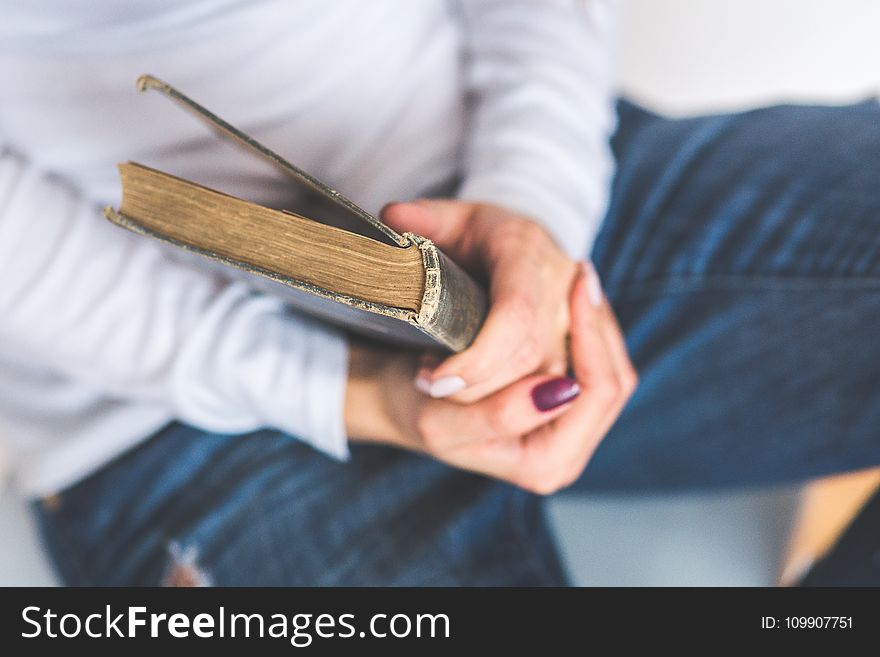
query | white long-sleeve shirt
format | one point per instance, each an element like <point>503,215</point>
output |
<point>106,336</point>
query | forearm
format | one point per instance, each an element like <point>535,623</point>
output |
<point>541,74</point>
<point>118,314</point>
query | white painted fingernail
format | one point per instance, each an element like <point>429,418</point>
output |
<point>445,386</point>
<point>594,287</point>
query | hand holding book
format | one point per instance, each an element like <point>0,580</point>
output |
<point>501,405</point>
<point>514,415</point>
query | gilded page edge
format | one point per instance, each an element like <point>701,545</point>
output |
<point>133,225</point>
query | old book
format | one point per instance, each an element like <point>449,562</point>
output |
<point>345,266</point>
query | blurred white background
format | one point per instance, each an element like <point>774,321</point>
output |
<point>678,56</point>
<point>686,56</point>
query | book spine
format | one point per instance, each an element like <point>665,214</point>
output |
<point>453,305</point>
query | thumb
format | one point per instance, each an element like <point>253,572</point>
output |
<point>442,222</point>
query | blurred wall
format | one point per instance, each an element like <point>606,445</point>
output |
<point>701,55</point>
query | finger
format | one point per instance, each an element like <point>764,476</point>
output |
<point>506,349</point>
<point>590,359</point>
<point>613,335</point>
<point>514,411</point>
<point>517,338</point>
<point>552,455</point>
<point>555,454</point>
<point>507,323</point>
<point>627,375</point>
<point>491,357</point>
<point>442,222</point>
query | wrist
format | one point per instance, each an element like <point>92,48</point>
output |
<point>364,410</point>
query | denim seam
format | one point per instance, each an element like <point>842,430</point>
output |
<point>698,284</point>
<point>687,159</point>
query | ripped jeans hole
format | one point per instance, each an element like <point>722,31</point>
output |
<point>183,570</point>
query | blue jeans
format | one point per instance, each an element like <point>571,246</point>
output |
<point>742,255</point>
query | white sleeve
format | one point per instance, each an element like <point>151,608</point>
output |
<point>541,79</point>
<point>118,313</point>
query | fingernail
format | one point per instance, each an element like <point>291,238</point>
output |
<point>554,393</point>
<point>594,286</point>
<point>442,387</point>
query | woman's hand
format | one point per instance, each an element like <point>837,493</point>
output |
<point>529,281</point>
<point>537,432</point>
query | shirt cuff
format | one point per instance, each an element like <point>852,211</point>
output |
<point>574,229</point>
<point>317,412</point>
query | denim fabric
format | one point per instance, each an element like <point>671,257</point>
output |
<point>265,509</point>
<point>742,255</point>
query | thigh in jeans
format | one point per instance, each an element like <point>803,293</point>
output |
<point>190,508</point>
<point>742,255</point>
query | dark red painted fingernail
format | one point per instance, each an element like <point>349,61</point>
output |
<point>555,392</point>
